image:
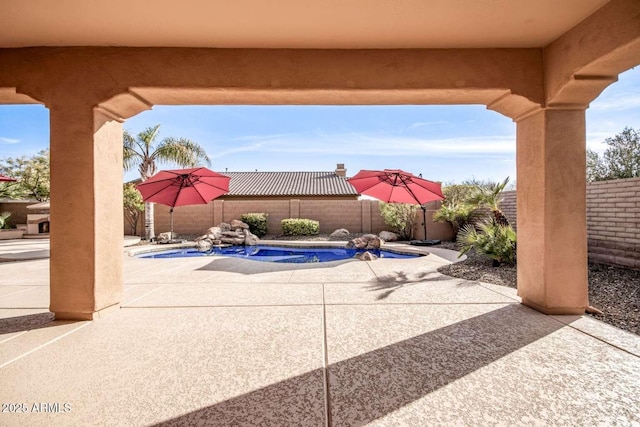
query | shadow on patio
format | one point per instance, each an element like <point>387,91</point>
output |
<point>392,282</point>
<point>370,386</point>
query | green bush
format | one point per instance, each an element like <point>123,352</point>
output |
<point>4,220</point>
<point>300,227</point>
<point>400,217</point>
<point>496,240</point>
<point>257,222</point>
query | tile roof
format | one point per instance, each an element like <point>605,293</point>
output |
<point>288,184</point>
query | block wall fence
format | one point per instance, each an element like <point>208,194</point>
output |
<point>613,221</point>
<point>357,216</point>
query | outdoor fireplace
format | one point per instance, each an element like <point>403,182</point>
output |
<point>43,227</point>
<point>39,222</point>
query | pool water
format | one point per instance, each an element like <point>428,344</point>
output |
<point>276,254</point>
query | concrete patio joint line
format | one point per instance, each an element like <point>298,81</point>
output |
<point>142,296</point>
<point>325,364</point>
<point>44,345</point>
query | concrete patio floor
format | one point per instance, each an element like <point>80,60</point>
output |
<point>220,341</point>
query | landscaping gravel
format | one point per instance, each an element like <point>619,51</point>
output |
<point>614,291</point>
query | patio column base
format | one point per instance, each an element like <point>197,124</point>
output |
<point>553,310</point>
<point>61,315</point>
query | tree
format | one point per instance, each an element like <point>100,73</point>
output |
<point>596,169</point>
<point>454,209</point>
<point>133,206</point>
<point>489,197</point>
<point>11,190</point>
<point>400,217</point>
<point>32,173</point>
<point>143,152</point>
<point>620,160</point>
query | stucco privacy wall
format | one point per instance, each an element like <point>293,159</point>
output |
<point>357,216</point>
<point>18,211</point>
<point>613,220</point>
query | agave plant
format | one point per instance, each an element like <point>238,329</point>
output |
<point>496,240</point>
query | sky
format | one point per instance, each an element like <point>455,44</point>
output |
<point>443,143</point>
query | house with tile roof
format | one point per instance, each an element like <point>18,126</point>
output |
<point>330,185</point>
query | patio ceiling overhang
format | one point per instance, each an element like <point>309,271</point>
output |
<point>292,24</point>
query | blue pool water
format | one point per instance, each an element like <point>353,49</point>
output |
<point>276,254</point>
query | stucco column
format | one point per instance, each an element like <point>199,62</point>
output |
<point>552,224</point>
<point>86,212</point>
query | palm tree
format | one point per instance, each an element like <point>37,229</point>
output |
<point>490,196</point>
<point>144,153</point>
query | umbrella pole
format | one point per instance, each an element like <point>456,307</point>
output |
<point>424,220</point>
<point>171,215</point>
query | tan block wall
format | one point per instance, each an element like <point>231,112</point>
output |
<point>357,216</point>
<point>508,207</point>
<point>613,221</point>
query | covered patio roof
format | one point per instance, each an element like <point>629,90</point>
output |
<point>330,24</point>
<point>94,65</point>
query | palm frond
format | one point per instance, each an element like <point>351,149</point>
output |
<point>147,137</point>
<point>181,151</point>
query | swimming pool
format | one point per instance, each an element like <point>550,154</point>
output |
<point>276,254</point>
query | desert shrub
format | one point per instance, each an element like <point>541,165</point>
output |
<point>470,203</point>
<point>133,206</point>
<point>300,227</point>
<point>4,220</point>
<point>498,241</point>
<point>257,222</point>
<point>458,214</point>
<point>400,217</point>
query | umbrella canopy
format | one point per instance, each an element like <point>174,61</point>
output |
<point>397,186</point>
<point>6,179</point>
<point>181,187</point>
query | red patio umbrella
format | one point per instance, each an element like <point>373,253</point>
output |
<point>181,187</point>
<point>6,179</point>
<point>397,186</point>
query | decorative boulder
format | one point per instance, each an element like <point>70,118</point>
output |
<point>388,236</point>
<point>203,245</point>
<point>223,226</point>
<point>367,241</point>
<point>366,256</point>
<point>340,233</point>
<point>164,237</point>
<point>235,224</point>
<point>231,234</point>
<point>214,233</point>
<point>233,240</point>
<point>251,239</point>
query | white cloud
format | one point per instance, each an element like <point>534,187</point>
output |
<point>4,140</point>
<point>376,145</point>
<point>423,124</point>
<point>618,103</point>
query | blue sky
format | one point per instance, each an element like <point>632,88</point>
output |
<point>444,143</point>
